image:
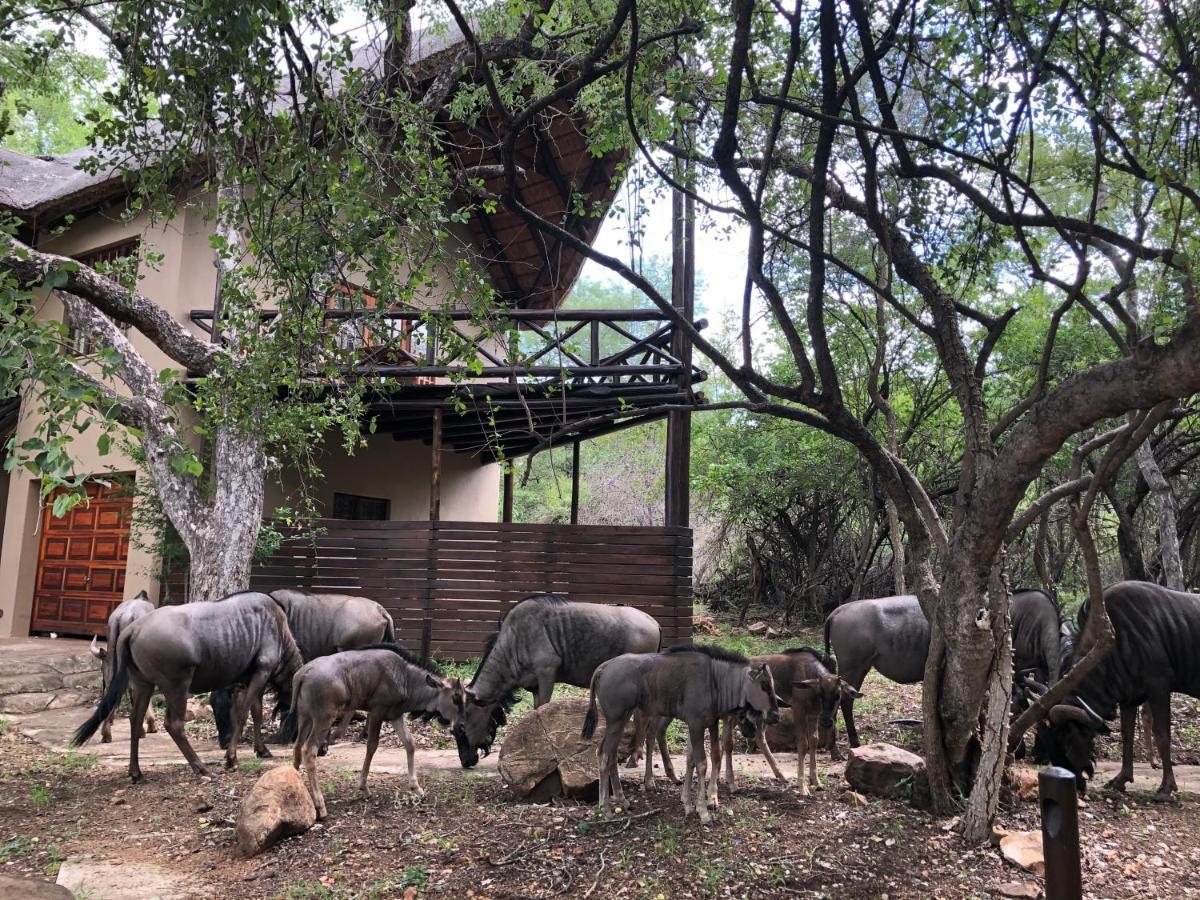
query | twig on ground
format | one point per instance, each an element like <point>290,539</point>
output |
<point>520,852</point>
<point>599,875</point>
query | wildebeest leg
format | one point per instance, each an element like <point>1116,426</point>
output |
<point>409,751</point>
<point>1148,736</point>
<point>727,750</point>
<point>374,723</point>
<point>699,760</point>
<point>800,736</point>
<point>641,727</point>
<point>687,775</point>
<point>1125,775</point>
<point>1160,711</point>
<point>607,756</point>
<point>139,694</point>
<point>760,738</point>
<point>645,736</point>
<point>710,787</point>
<point>151,724</point>
<point>256,715</point>
<point>309,757</point>
<point>545,687</point>
<point>241,701</point>
<point>106,726</point>
<point>813,741</point>
<point>176,696</point>
<point>664,751</point>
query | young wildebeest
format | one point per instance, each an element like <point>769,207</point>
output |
<point>385,681</point>
<point>804,680</point>
<point>241,640</point>
<point>1157,632</point>
<point>700,685</point>
<point>321,624</point>
<point>127,612</point>
<point>890,634</point>
<point>542,640</point>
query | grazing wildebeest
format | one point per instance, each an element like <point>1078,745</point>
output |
<point>1157,632</point>
<point>321,624</point>
<point>891,634</point>
<point>242,640</point>
<point>383,680</point>
<point>127,612</point>
<point>806,681</point>
<point>1036,634</point>
<point>699,684</point>
<point>543,640</point>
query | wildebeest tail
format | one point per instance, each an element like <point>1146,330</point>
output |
<point>389,631</point>
<point>589,721</point>
<point>831,662</point>
<point>112,696</point>
<point>287,728</point>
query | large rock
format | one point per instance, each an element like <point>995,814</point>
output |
<point>30,889</point>
<point>543,755</point>
<point>278,806</point>
<point>888,771</point>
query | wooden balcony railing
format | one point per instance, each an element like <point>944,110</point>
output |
<point>614,347</point>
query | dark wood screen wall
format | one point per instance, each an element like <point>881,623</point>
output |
<point>463,575</point>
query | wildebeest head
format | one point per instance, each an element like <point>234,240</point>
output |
<point>450,700</point>
<point>760,692</point>
<point>830,690</point>
<point>1071,738</point>
<point>101,653</point>
<point>477,726</point>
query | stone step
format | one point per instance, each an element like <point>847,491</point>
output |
<point>44,673</point>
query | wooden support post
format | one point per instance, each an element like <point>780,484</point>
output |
<point>435,469</point>
<point>1060,834</point>
<point>679,422</point>
<point>507,512</point>
<point>575,483</point>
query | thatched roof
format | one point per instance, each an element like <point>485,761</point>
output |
<point>527,269</point>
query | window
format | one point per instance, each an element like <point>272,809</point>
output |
<point>119,261</point>
<point>352,506</point>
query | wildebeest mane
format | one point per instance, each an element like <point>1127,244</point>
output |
<point>712,651</point>
<point>825,659</point>
<point>408,656</point>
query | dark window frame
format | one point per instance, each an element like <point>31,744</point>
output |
<point>357,507</point>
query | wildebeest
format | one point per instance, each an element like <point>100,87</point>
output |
<point>806,681</point>
<point>386,682</point>
<point>699,684</point>
<point>891,634</point>
<point>1156,633</point>
<point>242,640</point>
<point>321,624</point>
<point>126,613</point>
<point>543,640</point>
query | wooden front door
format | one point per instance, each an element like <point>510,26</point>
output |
<point>81,562</point>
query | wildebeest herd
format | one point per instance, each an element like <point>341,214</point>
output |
<point>328,656</point>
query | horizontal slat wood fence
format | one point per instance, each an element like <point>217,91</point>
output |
<point>462,576</point>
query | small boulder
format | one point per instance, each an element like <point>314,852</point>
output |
<point>1024,849</point>
<point>32,889</point>
<point>1019,890</point>
<point>543,755</point>
<point>278,806</point>
<point>888,771</point>
<point>197,709</point>
<point>759,628</point>
<point>1024,782</point>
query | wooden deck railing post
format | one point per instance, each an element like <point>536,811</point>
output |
<point>575,483</point>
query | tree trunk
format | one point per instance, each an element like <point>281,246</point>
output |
<point>1164,507</point>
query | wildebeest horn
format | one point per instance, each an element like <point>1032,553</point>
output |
<point>1036,688</point>
<point>1091,712</point>
<point>1063,713</point>
<point>97,651</point>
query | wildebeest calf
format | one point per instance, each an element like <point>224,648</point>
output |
<point>699,684</point>
<point>127,612</point>
<point>804,680</point>
<point>386,682</point>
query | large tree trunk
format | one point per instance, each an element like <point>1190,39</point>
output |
<point>1167,515</point>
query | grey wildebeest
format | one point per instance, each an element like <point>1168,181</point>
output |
<point>321,624</point>
<point>699,684</point>
<point>126,613</point>
<point>891,634</point>
<point>242,640</point>
<point>806,681</point>
<point>1157,632</point>
<point>386,682</point>
<point>543,640</point>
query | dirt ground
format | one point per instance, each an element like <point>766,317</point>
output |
<point>468,838</point>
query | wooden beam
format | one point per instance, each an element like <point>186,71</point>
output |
<point>575,483</point>
<point>507,513</point>
<point>677,501</point>
<point>435,469</point>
